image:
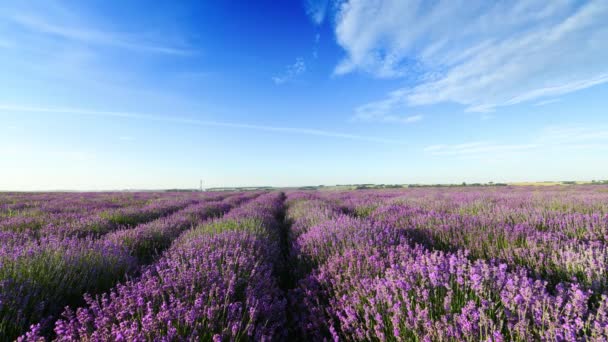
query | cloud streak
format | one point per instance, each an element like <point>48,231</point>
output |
<point>197,122</point>
<point>292,71</point>
<point>502,54</point>
<point>546,102</point>
<point>87,35</point>
<point>316,10</point>
<point>477,148</point>
<point>557,138</point>
<point>386,110</point>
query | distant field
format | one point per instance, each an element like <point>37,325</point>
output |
<point>546,183</point>
<point>536,183</point>
<point>420,264</point>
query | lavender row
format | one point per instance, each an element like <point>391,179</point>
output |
<point>44,275</point>
<point>39,277</point>
<point>568,213</point>
<point>305,213</point>
<point>403,293</point>
<point>150,239</point>
<point>557,234</point>
<point>42,204</point>
<point>28,211</point>
<point>370,283</point>
<point>549,255</point>
<point>578,214</point>
<point>65,215</point>
<point>97,222</point>
<point>216,282</point>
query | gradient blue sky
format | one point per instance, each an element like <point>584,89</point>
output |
<point>157,94</point>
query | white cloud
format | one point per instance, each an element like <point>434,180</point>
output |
<point>315,50</point>
<point>386,111</point>
<point>547,102</point>
<point>291,72</point>
<point>574,134</point>
<point>556,138</point>
<point>369,117</point>
<point>432,148</point>
<point>88,35</point>
<point>316,10</point>
<point>411,118</point>
<point>477,148</point>
<point>196,122</point>
<point>480,54</point>
<point>71,53</point>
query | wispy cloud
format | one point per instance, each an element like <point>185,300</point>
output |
<point>546,102</point>
<point>574,134</point>
<point>503,53</point>
<point>572,137</point>
<point>291,72</point>
<point>406,119</point>
<point>316,10</point>
<point>315,49</point>
<point>385,111</point>
<point>197,122</point>
<point>89,35</point>
<point>66,51</point>
<point>477,148</point>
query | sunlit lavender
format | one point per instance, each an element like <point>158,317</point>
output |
<point>422,264</point>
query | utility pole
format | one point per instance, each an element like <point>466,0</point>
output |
<point>201,185</point>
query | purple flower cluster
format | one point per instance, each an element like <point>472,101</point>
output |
<point>94,216</point>
<point>108,221</point>
<point>419,264</point>
<point>406,293</point>
<point>39,276</point>
<point>146,240</point>
<point>545,249</point>
<point>370,281</point>
<point>215,283</point>
<point>304,214</point>
<point>37,210</point>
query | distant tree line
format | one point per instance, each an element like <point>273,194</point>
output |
<point>593,182</point>
<point>379,186</point>
<point>182,190</point>
<point>455,185</point>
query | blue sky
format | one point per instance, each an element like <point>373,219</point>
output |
<point>138,94</point>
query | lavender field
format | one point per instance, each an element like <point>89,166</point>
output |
<point>419,264</point>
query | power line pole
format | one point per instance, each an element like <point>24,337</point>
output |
<point>201,185</point>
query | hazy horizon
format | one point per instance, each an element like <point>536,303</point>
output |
<point>108,95</point>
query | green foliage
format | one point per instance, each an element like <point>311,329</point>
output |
<point>45,282</point>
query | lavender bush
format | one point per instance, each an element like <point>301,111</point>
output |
<point>38,277</point>
<point>215,283</point>
<point>368,280</point>
<point>421,264</point>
